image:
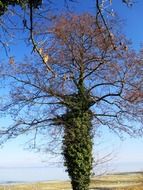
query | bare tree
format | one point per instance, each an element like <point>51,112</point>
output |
<point>92,84</point>
<point>103,7</point>
<point>29,18</point>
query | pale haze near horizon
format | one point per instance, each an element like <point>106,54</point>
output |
<point>17,164</point>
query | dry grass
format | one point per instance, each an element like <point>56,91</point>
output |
<point>119,181</point>
<point>128,181</point>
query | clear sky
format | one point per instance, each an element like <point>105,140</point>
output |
<point>127,154</point>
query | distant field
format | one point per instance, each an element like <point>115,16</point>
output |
<point>121,181</point>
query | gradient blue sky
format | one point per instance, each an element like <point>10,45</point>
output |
<point>127,154</point>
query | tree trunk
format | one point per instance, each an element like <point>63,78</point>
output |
<point>77,148</point>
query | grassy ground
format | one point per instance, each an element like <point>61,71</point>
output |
<point>122,181</point>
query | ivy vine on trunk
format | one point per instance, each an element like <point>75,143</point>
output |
<point>77,149</point>
<point>77,139</point>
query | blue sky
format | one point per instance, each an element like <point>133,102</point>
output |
<point>128,154</point>
<point>132,17</point>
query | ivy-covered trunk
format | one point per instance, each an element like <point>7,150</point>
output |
<point>77,148</point>
<point>78,137</point>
